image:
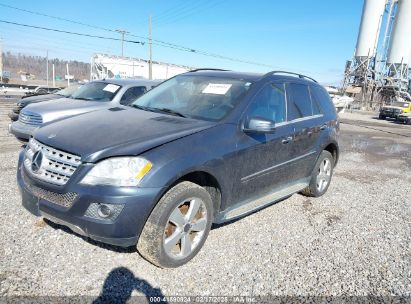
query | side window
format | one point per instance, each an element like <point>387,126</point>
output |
<point>138,91</point>
<point>298,101</point>
<point>269,103</point>
<point>321,97</point>
<point>132,94</point>
<point>315,103</point>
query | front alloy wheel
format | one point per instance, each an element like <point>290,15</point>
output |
<point>185,228</point>
<point>177,227</point>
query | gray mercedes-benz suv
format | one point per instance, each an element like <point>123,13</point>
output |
<point>204,147</point>
<point>93,96</point>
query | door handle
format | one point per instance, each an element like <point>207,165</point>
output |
<point>287,140</point>
<point>323,127</point>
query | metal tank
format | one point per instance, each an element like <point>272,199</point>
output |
<point>372,13</point>
<point>399,51</point>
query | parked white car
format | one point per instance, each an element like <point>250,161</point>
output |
<point>90,97</point>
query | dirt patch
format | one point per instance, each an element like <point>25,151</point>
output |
<point>40,223</point>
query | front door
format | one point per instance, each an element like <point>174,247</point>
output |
<point>262,157</point>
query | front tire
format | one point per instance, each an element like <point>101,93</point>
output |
<point>177,227</point>
<point>321,175</point>
<point>381,116</point>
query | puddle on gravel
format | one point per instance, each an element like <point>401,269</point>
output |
<point>376,149</point>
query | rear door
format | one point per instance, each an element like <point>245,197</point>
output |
<point>305,118</point>
<point>261,157</point>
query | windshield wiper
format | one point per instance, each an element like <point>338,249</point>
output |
<point>163,110</point>
<point>173,112</point>
<point>143,108</point>
<point>79,98</point>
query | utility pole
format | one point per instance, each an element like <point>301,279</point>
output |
<point>68,76</point>
<point>47,69</point>
<point>1,61</point>
<point>150,40</point>
<point>54,77</point>
<point>122,33</point>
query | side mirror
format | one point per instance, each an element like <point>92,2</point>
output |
<point>259,125</point>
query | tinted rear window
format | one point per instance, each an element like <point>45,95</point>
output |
<point>298,101</point>
<point>321,97</point>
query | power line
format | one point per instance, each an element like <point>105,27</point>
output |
<point>186,13</point>
<point>180,12</point>
<point>154,41</point>
<point>56,17</point>
<point>71,33</point>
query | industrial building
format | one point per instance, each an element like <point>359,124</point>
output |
<point>379,72</point>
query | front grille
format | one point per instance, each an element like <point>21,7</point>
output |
<point>18,108</point>
<point>55,167</point>
<point>30,118</point>
<point>65,200</point>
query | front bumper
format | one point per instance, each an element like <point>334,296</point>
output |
<point>124,231</point>
<point>404,118</point>
<point>22,131</point>
<point>13,115</point>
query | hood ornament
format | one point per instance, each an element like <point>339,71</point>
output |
<point>37,161</point>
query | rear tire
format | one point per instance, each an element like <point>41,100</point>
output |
<point>381,116</point>
<point>177,227</point>
<point>321,175</point>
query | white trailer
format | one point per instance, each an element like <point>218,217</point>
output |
<point>110,66</point>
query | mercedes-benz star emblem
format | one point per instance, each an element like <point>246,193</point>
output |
<point>36,162</point>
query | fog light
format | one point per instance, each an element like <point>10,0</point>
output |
<point>104,211</point>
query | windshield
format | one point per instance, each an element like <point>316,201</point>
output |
<point>67,92</point>
<point>96,91</point>
<point>400,104</point>
<point>208,98</point>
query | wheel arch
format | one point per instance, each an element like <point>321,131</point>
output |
<point>334,150</point>
<point>206,180</point>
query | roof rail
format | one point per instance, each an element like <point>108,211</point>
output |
<point>208,69</point>
<point>290,73</point>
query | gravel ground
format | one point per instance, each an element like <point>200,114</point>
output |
<point>353,241</point>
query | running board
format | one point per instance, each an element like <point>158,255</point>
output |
<point>247,207</point>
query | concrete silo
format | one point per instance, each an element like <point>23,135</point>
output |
<point>360,74</point>
<point>367,40</point>
<point>399,51</point>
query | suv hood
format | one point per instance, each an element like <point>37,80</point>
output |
<point>64,107</point>
<point>38,98</point>
<point>115,132</point>
<point>392,107</point>
<point>408,114</point>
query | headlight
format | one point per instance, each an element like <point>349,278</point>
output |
<point>118,171</point>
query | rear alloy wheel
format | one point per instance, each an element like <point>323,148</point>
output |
<point>321,176</point>
<point>177,227</point>
<point>324,174</point>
